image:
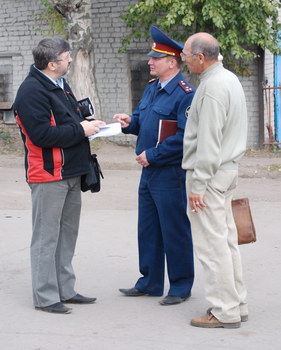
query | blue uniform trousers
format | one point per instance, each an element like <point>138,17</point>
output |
<point>164,229</point>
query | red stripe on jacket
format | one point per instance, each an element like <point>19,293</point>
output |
<point>57,155</point>
<point>35,171</point>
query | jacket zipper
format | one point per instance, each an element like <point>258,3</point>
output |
<point>62,170</point>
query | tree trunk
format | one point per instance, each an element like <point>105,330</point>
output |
<point>81,76</point>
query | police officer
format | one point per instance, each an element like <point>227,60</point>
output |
<point>163,225</point>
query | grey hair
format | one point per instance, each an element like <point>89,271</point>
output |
<point>48,50</point>
<point>209,46</point>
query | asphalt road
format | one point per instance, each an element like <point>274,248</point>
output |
<point>106,259</point>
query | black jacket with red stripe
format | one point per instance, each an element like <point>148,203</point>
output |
<point>49,118</point>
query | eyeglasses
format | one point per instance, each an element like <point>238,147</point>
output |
<point>65,58</point>
<point>184,56</point>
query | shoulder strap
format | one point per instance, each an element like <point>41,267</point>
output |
<point>185,86</point>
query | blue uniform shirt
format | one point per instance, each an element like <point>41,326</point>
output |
<point>171,102</point>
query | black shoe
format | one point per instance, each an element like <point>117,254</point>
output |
<point>57,308</point>
<point>79,299</point>
<point>132,292</point>
<point>172,300</point>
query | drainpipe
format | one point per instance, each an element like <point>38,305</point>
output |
<point>260,95</point>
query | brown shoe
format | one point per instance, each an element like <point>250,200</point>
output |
<point>244,318</point>
<point>210,321</point>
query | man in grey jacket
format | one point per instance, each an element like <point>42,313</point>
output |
<point>214,141</point>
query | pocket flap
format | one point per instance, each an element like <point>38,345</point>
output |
<point>162,110</point>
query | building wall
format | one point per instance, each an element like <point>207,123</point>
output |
<point>17,37</point>
<point>269,122</point>
<point>112,69</point>
<point>251,86</point>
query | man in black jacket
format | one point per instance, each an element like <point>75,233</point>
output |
<point>56,155</point>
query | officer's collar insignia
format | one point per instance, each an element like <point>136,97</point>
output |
<point>151,80</point>
<point>184,86</point>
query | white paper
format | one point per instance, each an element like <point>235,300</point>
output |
<point>107,130</point>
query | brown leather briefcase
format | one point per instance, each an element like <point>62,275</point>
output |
<point>243,220</point>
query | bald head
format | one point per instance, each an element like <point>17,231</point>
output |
<point>200,51</point>
<point>204,43</point>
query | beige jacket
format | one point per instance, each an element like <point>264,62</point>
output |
<point>216,130</point>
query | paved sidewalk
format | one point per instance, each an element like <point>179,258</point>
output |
<point>106,259</point>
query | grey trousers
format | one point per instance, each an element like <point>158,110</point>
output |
<point>56,208</point>
<point>215,241</point>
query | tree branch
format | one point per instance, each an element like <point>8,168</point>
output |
<point>66,7</point>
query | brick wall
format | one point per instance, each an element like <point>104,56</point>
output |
<point>112,69</point>
<point>250,85</point>
<point>17,37</point>
<point>2,87</point>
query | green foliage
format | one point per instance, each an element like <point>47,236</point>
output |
<point>56,24</point>
<point>239,25</point>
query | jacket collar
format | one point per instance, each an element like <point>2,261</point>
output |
<point>44,80</point>
<point>170,87</point>
<point>210,70</point>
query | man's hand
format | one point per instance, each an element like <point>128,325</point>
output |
<point>196,202</point>
<point>123,119</point>
<point>142,160</point>
<point>91,127</point>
